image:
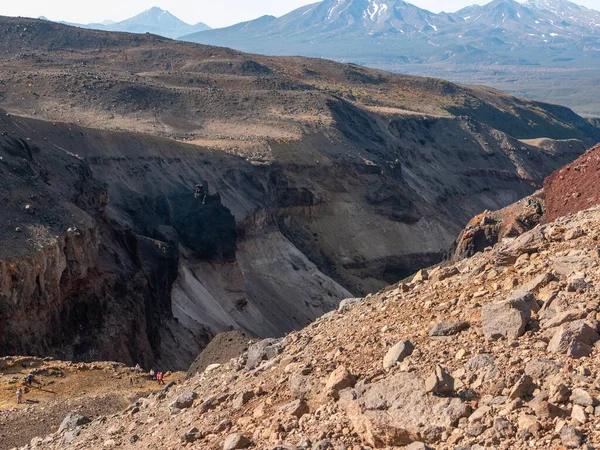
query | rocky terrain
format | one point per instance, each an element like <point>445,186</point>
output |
<point>495,351</point>
<point>568,190</point>
<point>320,181</point>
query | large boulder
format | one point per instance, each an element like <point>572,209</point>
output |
<point>397,411</point>
<point>510,249</point>
<point>184,400</point>
<point>574,339</point>
<point>73,420</point>
<point>262,351</point>
<point>506,319</point>
<point>397,353</point>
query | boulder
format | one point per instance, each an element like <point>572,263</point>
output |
<point>571,437</point>
<point>448,328</point>
<point>480,361</point>
<point>297,408</point>
<point>339,380</point>
<point>564,317</point>
<point>573,338</point>
<point>185,400</point>
<point>421,275</point>
<point>73,420</point>
<point>397,411</point>
<point>538,282</point>
<point>236,441</point>
<point>262,351</point>
<point>397,354</point>
<point>540,369</point>
<point>581,397</point>
<point>348,303</point>
<point>443,273</point>
<point>505,319</point>
<point>440,382</point>
<point>510,249</point>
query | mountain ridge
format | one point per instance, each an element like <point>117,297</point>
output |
<point>154,20</point>
<point>496,43</point>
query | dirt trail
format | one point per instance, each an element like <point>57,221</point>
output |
<point>95,390</point>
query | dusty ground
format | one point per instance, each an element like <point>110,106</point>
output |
<point>99,389</point>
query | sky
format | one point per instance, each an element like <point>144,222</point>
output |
<point>216,13</point>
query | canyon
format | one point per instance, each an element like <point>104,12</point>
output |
<point>323,181</point>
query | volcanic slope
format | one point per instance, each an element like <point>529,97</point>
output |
<point>322,180</point>
<point>493,351</point>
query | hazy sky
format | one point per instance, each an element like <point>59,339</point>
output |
<point>216,13</point>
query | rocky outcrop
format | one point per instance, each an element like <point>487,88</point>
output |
<point>490,227</point>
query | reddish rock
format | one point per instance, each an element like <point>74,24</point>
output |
<point>575,187</point>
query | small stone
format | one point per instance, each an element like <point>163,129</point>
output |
<point>242,398</point>
<point>297,408</point>
<point>578,413</point>
<point>559,393</point>
<point>448,328</point>
<point>574,233</point>
<point>417,446</point>
<point>522,388</point>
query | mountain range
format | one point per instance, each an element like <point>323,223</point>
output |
<point>546,44</point>
<point>154,20</point>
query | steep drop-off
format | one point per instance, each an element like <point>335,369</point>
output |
<point>322,181</point>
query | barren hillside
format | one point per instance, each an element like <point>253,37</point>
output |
<point>495,351</point>
<point>320,181</point>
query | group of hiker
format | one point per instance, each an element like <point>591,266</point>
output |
<point>157,375</point>
<point>28,381</point>
<point>154,374</point>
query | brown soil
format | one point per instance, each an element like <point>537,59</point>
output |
<point>95,390</point>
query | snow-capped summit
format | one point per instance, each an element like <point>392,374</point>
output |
<point>570,12</point>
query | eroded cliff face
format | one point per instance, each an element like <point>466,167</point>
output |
<point>116,258</point>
